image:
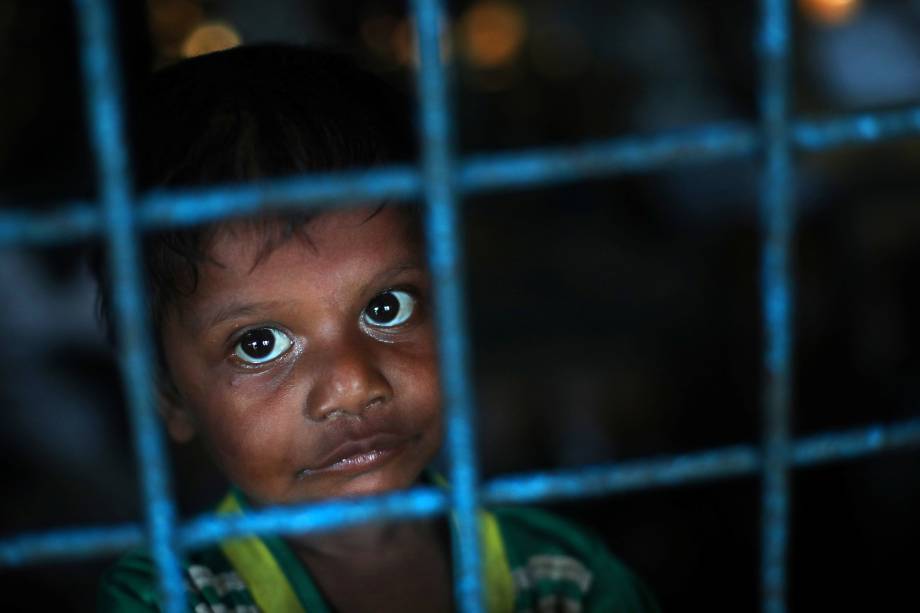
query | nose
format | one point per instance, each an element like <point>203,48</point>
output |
<point>346,382</point>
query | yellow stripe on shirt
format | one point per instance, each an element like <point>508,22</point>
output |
<point>499,583</point>
<point>258,568</point>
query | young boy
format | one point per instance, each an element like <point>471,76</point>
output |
<point>300,349</point>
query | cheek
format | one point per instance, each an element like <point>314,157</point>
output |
<point>416,386</point>
<point>247,431</point>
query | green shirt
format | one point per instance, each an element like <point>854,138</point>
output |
<point>533,561</point>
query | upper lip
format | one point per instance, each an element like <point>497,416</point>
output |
<point>380,441</point>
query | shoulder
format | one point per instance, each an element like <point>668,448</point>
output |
<point>552,557</point>
<point>130,585</point>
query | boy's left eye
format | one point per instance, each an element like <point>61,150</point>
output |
<point>389,309</point>
<point>262,345</point>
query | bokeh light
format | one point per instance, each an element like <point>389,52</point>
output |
<point>491,33</point>
<point>830,12</point>
<point>403,44</point>
<point>171,21</point>
<point>210,37</point>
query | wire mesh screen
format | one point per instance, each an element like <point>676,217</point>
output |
<point>120,215</point>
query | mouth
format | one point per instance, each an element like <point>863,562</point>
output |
<point>355,456</point>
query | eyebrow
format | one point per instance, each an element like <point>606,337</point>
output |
<point>233,310</point>
<point>391,273</point>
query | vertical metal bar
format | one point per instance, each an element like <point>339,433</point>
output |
<point>104,114</point>
<point>778,220</point>
<point>446,259</point>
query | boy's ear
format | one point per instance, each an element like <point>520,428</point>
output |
<point>180,423</point>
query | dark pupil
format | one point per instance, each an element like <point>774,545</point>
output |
<point>258,343</point>
<point>383,309</point>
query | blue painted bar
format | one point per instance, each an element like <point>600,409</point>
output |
<point>686,469</point>
<point>73,543</point>
<point>445,258</point>
<point>540,167</point>
<point>317,517</point>
<point>68,224</point>
<point>101,73</point>
<point>340,189</point>
<point>861,128</point>
<point>851,444</point>
<point>477,174</point>
<point>776,286</point>
<point>622,477</point>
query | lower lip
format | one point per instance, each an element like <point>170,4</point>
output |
<point>354,464</point>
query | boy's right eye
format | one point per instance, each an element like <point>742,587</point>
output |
<point>262,345</point>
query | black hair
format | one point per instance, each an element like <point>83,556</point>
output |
<point>246,113</point>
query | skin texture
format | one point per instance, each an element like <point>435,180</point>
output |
<point>271,428</point>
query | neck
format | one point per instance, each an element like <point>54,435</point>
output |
<point>377,540</point>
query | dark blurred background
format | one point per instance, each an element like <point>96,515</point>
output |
<point>612,319</point>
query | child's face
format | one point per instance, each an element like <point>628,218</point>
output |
<point>310,373</point>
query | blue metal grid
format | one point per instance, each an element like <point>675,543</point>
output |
<point>120,215</point>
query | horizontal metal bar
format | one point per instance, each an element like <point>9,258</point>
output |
<point>415,503</point>
<point>185,207</point>
<point>850,444</point>
<point>695,467</point>
<point>423,502</point>
<point>862,128</point>
<point>539,167</point>
<point>30,548</point>
<point>78,221</point>
<point>69,543</point>
<point>622,477</point>
<point>320,190</point>
<point>72,222</point>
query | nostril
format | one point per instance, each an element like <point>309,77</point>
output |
<point>353,413</point>
<point>340,414</point>
<point>374,402</point>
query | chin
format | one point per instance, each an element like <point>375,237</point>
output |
<point>373,484</point>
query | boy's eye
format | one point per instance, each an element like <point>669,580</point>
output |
<point>262,345</point>
<point>389,309</point>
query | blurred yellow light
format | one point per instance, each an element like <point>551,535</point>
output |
<point>170,23</point>
<point>492,33</point>
<point>210,37</point>
<point>830,12</point>
<point>402,42</point>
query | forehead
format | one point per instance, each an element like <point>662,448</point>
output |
<point>330,249</point>
<point>330,234</point>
